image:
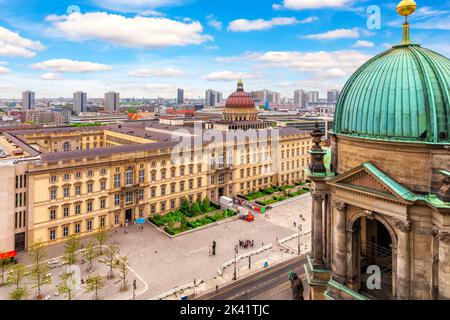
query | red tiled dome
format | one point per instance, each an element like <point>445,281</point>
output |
<point>240,98</point>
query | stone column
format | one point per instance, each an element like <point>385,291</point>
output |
<point>353,257</point>
<point>329,241</point>
<point>444,265</point>
<point>403,257</point>
<point>339,243</point>
<point>318,235</point>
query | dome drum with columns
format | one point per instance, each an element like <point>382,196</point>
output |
<point>384,200</point>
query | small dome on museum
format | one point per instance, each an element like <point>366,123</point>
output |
<point>403,94</point>
<point>240,98</point>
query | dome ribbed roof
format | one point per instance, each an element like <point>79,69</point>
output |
<point>240,98</point>
<point>402,94</point>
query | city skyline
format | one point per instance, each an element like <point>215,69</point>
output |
<point>43,53</point>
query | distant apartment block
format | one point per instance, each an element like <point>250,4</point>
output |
<point>112,101</point>
<point>79,102</point>
<point>28,100</point>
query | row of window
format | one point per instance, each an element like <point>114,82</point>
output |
<point>21,181</point>
<point>66,190</point>
<point>20,219</point>
<point>77,208</point>
<point>78,175</point>
<point>76,228</point>
<point>21,199</point>
<point>291,165</point>
<point>290,153</point>
<point>172,203</point>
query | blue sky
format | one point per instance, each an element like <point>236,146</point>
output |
<point>151,47</point>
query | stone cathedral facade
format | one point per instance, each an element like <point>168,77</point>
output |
<point>383,203</point>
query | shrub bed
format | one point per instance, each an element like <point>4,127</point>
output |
<point>189,225</point>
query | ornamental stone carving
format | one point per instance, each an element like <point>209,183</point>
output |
<point>435,231</point>
<point>369,214</point>
<point>444,237</point>
<point>402,225</point>
<point>339,205</point>
<point>318,197</point>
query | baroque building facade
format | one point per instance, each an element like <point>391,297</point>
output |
<point>64,181</point>
<point>383,205</point>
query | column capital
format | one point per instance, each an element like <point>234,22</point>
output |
<point>444,237</point>
<point>402,225</point>
<point>339,205</point>
<point>318,197</point>
<point>369,214</point>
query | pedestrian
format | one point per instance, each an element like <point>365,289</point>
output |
<point>295,224</point>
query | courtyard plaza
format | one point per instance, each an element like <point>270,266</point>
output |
<point>160,263</point>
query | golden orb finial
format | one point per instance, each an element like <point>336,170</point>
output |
<point>406,7</point>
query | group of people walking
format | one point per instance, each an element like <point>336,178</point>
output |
<point>246,243</point>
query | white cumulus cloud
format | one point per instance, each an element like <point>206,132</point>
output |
<point>3,70</point>
<point>139,31</point>
<point>364,44</point>
<point>52,76</point>
<point>335,34</point>
<point>214,22</point>
<point>135,5</point>
<point>160,73</point>
<point>230,76</point>
<point>319,64</point>
<point>12,44</point>
<point>311,4</point>
<point>244,25</point>
<point>67,65</point>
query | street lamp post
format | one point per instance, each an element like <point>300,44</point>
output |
<point>299,238</point>
<point>235,270</point>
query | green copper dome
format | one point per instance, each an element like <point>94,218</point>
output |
<point>402,94</point>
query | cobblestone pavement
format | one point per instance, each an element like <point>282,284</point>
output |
<point>164,263</point>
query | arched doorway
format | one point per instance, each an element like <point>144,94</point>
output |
<point>372,248</point>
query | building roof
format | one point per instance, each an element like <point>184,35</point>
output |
<point>240,99</point>
<point>402,94</point>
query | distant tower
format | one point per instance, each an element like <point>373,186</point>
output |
<point>112,101</point>
<point>28,100</point>
<point>79,102</point>
<point>180,96</point>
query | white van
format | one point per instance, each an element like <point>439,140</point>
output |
<point>226,202</point>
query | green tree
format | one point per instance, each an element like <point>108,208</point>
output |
<point>39,270</point>
<point>67,285</point>
<point>5,265</point>
<point>102,236</point>
<point>195,208</point>
<point>18,294</point>
<point>16,275</point>
<point>122,266</point>
<point>109,259</point>
<point>15,278</point>
<point>171,222</point>
<point>184,222</point>
<point>89,254</point>
<point>184,207</point>
<point>71,247</point>
<point>95,283</point>
<point>205,204</point>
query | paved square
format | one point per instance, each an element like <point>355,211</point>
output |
<point>164,263</point>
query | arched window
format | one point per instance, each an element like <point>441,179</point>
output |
<point>66,146</point>
<point>129,177</point>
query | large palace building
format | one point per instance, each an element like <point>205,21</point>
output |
<point>381,211</point>
<point>62,181</point>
